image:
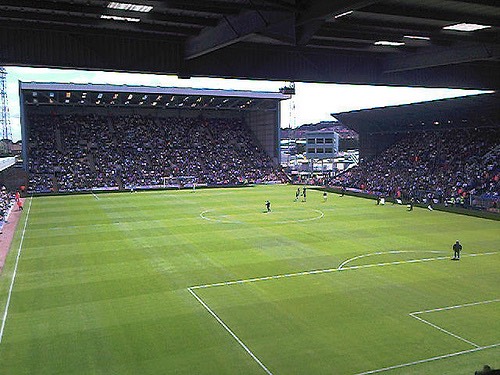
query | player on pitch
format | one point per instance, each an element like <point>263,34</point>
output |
<point>457,248</point>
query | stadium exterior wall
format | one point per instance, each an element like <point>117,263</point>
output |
<point>265,127</point>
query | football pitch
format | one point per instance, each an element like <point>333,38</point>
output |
<point>209,282</point>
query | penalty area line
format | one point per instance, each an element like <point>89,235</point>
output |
<point>455,306</point>
<point>416,313</point>
<point>328,270</point>
<point>445,331</point>
<point>321,271</point>
<point>225,326</point>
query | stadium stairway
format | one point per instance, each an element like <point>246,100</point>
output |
<point>91,161</point>
<point>58,140</point>
<point>55,185</point>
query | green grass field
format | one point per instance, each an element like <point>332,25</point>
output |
<point>206,282</point>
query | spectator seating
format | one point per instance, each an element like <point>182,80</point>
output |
<point>83,152</point>
<point>437,165</point>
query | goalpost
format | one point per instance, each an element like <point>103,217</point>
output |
<point>179,182</point>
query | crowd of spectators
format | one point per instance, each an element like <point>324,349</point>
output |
<point>82,152</point>
<point>445,166</point>
<point>7,200</point>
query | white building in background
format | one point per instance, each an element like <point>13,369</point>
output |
<point>322,144</point>
<point>323,148</point>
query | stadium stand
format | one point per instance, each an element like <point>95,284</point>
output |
<point>7,200</point>
<point>74,152</point>
<point>447,166</point>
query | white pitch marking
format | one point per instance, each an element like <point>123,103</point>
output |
<point>333,270</point>
<point>242,344</point>
<point>321,215</point>
<point>203,216</point>
<point>456,306</point>
<point>428,359</point>
<point>407,261</point>
<point>95,196</point>
<point>313,272</point>
<point>383,253</point>
<point>445,331</point>
<point>7,304</point>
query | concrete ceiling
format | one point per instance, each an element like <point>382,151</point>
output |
<point>292,40</point>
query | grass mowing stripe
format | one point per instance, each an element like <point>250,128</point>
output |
<point>7,304</point>
<point>105,284</point>
<point>219,320</point>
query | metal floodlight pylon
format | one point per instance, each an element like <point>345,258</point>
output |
<point>5,129</point>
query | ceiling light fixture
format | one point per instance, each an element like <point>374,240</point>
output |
<point>389,43</point>
<point>466,27</point>
<point>117,18</point>
<point>417,37</point>
<point>343,14</point>
<point>130,7</point>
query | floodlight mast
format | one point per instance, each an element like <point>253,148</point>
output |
<point>6,131</point>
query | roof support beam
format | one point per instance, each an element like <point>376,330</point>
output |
<point>234,29</point>
<point>312,18</point>
<point>444,10</point>
<point>442,56</point>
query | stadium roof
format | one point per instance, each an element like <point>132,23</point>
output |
<point>476,110</point>
<point>69,94</point>
<point>7,162</point>
<point>438,43</point>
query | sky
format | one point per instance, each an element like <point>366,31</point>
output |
<point>312,103</point>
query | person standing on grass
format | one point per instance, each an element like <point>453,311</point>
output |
<point>304,193</point>
<point>410,204</point>
<point>297,195</point>
<point>457,248</point>
<point>325,196</point>
<point>268,206</point>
